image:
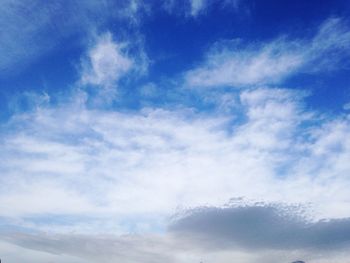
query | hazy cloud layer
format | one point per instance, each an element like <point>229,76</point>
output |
<point>101,248</point>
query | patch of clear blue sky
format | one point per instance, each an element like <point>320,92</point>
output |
<point>176,42</point>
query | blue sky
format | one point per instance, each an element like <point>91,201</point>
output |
<point>178,131</point>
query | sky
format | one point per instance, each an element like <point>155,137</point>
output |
<point>176,131</point>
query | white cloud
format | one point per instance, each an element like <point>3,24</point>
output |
<point>248,67</point>
<point>259,64</point>
<point>106,63</point>
<point>112,172</point>
<point>111,164</point>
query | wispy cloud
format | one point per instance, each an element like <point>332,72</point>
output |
<point>31,30</point>
<point>232,64</point>
<point>190,9</point>
<point>198,7</point>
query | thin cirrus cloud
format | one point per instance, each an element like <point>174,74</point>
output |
<point>228,64</point>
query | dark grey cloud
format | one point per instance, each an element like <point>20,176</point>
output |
<point>262,227</point>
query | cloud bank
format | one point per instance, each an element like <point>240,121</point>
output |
<point>262,226</point>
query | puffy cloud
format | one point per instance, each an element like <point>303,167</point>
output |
<point>229,64</point>
<point>106,63</point>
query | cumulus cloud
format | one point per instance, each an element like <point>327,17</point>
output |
<point>231,64</point>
